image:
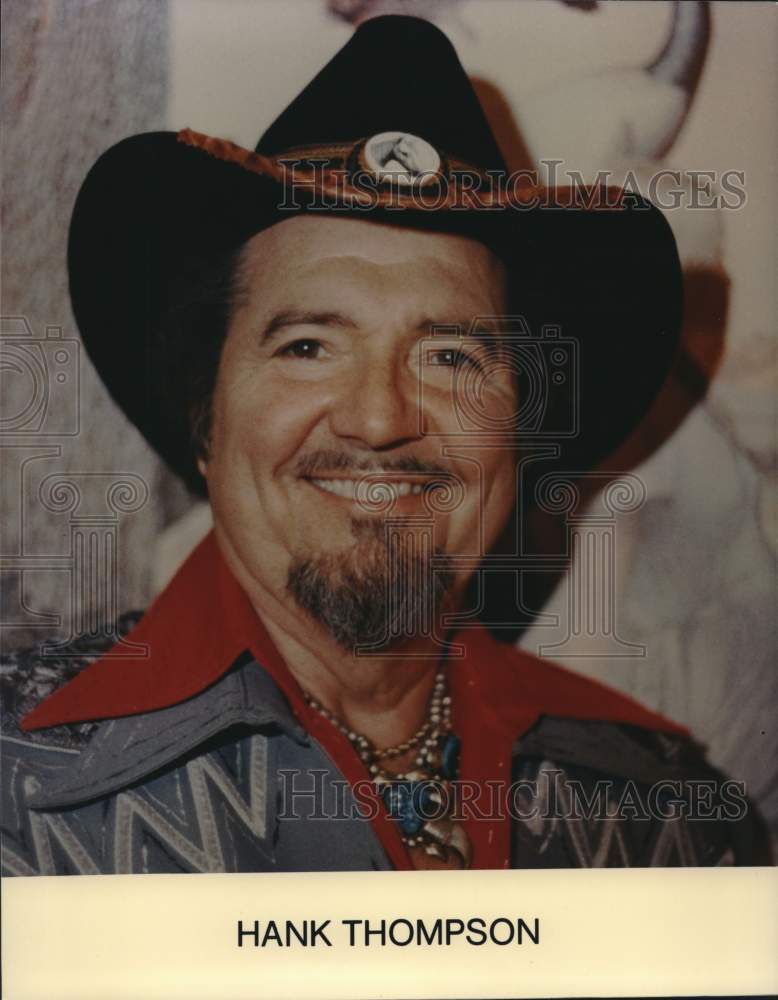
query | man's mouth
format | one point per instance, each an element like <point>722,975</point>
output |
<point>400,485</point>
<point>348,487</point>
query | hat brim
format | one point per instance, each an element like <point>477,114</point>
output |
<point>606,282</point>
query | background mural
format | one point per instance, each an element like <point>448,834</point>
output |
<point>632,88</point>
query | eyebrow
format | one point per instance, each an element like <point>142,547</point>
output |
<point>459,328</point>
<point>486,333</point>
<point>294,317</point>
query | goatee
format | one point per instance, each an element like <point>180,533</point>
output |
<point>378,593</point>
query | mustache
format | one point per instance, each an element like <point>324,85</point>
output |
<point>326,460</point>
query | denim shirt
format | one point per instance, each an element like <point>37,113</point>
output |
<point>229,781</point>
<point>202,786</point>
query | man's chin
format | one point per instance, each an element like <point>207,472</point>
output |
<point>373,593</point>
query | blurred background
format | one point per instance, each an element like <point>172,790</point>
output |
<point>93,524</point>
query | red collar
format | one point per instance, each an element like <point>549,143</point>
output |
<point>203,621</point>
<point>192,634</point>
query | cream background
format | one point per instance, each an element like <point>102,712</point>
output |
<point>697,932</point>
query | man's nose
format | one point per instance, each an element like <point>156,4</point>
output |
<point>378,407</point>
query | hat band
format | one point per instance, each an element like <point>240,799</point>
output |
<point>350,175</point>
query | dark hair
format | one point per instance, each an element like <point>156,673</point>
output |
<point>187,350</point>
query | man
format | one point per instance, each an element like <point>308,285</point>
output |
<point>340,352</point>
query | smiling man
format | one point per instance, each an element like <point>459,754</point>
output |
<point>342,357</point>
<point>317,406</point>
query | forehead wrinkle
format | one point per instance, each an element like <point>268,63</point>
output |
<point>391,271</point>
<point>403,295</point>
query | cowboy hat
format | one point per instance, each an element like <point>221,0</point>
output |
<point>390,129</point>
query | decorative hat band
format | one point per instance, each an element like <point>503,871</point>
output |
<point>398,170</point>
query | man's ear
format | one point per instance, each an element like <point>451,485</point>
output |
<point>202,467</point>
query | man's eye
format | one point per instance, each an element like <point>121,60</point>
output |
<point>452,357</point>
<point>304,349</point>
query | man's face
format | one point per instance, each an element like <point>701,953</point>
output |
<point>326,400</point>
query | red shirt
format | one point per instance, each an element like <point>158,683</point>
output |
<point>203,621</point>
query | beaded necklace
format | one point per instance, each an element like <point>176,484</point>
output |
<point>419,800</point>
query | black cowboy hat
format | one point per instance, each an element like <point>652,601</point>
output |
<point>392,120</point>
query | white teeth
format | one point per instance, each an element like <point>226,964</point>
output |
<point>341,487</point>
<point>348,487</point>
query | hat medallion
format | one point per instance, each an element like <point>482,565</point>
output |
<point>401,157</point>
